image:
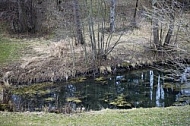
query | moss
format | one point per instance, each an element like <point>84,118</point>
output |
<point>49,99</point>
<point>73,99</point>
<point>168,85</point>
<point>39,89</point>
<point>178,104</point>
<point>121,102</point>
<point>172,86</point>
<point>78,80</point>
<point>184,99</point>
<point>113,103</point>
<point>185,86</point>
<point>100,79</point>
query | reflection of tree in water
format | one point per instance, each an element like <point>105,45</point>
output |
<point>17,101</point>
<point>151,83</point>
<point>159,94</point>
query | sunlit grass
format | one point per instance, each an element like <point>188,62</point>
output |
<point>9,50</point>
<point>172,116</point>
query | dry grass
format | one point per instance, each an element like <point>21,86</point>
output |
<point>48,60</point>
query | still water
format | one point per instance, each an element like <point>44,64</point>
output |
<point>142,88</point>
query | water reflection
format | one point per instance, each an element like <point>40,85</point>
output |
<point>70,90</point>
<point>135,89</point>
<point>151,83</point>
<point>159,94</point>
<point>17,101</point>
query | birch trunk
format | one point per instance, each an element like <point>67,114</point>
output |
<point>112,16</point>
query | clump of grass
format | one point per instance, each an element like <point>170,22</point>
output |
<point>171,116</point>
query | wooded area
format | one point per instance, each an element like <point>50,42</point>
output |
<point>97,26</point>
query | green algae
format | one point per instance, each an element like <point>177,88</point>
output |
<point>34,89</point>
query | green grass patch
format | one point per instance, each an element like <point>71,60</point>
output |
<point>171,116</point>
<point>10,50</point>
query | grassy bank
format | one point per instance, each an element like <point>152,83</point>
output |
<point>9,50</point>
<point>172,116</point>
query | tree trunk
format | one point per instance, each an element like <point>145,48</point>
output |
<point>171,26</point>
<point>155,26</point>
<point>134,22</point>
<point>31,17</point>
<point>169,34</point>
<point>112,16</point>
<point>22,16</point>
<point>79,33</point>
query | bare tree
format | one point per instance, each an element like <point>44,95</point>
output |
<point>163,14</point>
<point>101,43</point>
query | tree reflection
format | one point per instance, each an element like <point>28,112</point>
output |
<point>159,94</point>
<point>151,83</point>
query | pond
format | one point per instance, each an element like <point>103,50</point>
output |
<point>140,88</point>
